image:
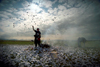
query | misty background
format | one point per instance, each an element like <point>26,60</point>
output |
<point>57,19</point>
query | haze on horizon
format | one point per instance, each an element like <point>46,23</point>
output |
<point>57,19</point>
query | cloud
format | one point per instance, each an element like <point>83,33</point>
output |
<point>47,3</point>
<point>69,20</point>
<point>60,7</point>
<point>79,23</point>
<point>61,1</point>
<point>22,22</point>
<point>37,1</point>
<point>7,3</point>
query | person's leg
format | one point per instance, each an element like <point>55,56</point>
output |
<point>39,43</point>
<point>35,43</point>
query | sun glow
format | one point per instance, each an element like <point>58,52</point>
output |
<point>34,8</point>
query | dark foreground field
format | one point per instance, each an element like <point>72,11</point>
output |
<point>57,56</point>
<point>61,54</point>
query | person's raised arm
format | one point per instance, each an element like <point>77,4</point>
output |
<point>33,28</point>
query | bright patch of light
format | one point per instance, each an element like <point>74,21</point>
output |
<point>35,8</point>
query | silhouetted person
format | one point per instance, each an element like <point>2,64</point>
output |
<point>37,36</point>
<point>81,39</point>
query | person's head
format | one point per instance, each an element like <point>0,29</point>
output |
<point>37,29</point>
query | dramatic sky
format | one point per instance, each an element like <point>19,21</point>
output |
<point>57,19</point>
